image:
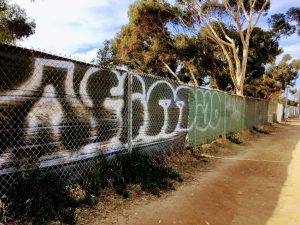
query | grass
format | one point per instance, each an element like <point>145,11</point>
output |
<point>41,196</point>
<point>136,168</point>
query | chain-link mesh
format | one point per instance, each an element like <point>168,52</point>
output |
<point>292,111</point>
<point>64,114</point>
<point>58,112</point>
<point>234,113</point>
<point>207,116</point>
<point>272,112</point>
<point>159,113</point>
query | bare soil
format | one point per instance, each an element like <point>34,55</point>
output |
<point>233,185</point>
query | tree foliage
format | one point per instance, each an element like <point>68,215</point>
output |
<point>293,92</point>
<point>14,23</point>
<point>106,56</point>
<point>276,78</point>
<point>285,24</point>
<point>147,45</point>
<point>142,44</point>
<point>263,49</point>
<point>158,39</point>
<point>154,41</point>
<point>224,22</point>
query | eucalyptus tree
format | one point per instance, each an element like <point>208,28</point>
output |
<point>148,44</point>
<point>222,22</point>
<point>285,24</point>
<point>164,39</point>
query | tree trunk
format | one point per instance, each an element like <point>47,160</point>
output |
<point>239,90</point>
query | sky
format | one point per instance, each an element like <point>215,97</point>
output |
<point>77,28</point>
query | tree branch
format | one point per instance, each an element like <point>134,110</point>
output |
<point>192,74</point>
<point>260,13</point>
<point>171,71</point>
<point>244,10</point>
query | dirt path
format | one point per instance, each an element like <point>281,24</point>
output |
<point>252,188</point>
<point>288,207</point>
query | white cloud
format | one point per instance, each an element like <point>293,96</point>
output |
<point>86,56</point>
<point>78,28</point>
<point>281,6</point>
<point>70,27</point>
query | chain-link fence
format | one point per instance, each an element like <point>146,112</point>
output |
<point>63,114</point>
<point>293,111</point>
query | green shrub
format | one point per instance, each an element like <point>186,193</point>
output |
<point>3,210</point>
<point>40,196</point>
<point>132,168</point>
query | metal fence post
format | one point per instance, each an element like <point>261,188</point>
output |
<point>225,113</point>
<point>196,120</point>
<point>129,109</point>
<point>244,113</point>
<point>255,120</point>
<point>286,105</point>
